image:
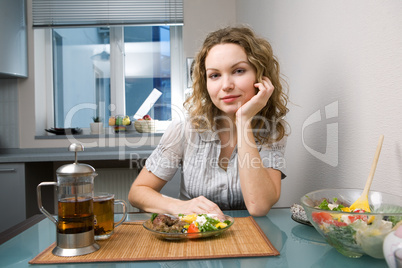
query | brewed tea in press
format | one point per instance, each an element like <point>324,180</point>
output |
<point>75,223</point>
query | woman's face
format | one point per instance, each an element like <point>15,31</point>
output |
<point>230,77</point>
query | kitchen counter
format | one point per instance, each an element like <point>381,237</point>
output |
<point>299,246</point>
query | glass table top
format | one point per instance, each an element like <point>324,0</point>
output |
<point>299,246</point>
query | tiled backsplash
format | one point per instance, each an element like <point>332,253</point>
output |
<point>9,133</point>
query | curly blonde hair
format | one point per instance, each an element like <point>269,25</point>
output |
<point>203,112</point>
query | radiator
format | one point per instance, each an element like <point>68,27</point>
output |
<point>116,181</point>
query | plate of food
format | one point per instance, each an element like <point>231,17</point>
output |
<point>190,226</point>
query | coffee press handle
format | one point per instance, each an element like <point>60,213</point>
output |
<point>39,195</point>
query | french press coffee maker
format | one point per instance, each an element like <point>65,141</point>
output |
<point>75,223</point>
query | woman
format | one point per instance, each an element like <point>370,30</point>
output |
<point>231,145</point>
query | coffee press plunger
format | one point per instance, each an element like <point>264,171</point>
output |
<point>75,223</point>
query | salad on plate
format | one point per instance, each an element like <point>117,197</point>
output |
<point>187,226</point>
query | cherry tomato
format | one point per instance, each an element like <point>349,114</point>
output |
<point>358,217</point>
<point>193,229</point>
<point>358,210</point>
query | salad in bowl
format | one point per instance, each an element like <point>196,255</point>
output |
<point>353,232</point>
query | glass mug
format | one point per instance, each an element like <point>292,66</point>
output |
<point>103,206</point>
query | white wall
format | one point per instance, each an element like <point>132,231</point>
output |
<point>203,16</point>
<point>347,54</point>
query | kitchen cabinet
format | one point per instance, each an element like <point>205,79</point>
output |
<point>13,41</point>
<point>12,195</point>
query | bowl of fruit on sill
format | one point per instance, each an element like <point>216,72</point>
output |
<point>145,124</point>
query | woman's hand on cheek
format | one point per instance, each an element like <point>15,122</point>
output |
<point>257,102</point>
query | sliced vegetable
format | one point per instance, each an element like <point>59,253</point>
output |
<point>221,225</point>
<point>335,207</point>
<point>153,216</point>
<point>193,229</point>
<point>325,217</point>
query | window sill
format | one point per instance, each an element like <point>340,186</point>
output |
<point>84,135</point>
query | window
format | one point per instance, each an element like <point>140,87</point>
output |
<point>147,66</point>
<point>84,85</point>
<point>97,58</point>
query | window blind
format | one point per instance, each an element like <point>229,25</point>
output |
<point>81,13</point>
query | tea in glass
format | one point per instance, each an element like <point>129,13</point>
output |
<point>104,215</point>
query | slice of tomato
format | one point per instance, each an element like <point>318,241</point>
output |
<point>357,217</point>
<point>193,229</point>
<point>339,223</point>
<point>325,217</point>
<point>321,217</point>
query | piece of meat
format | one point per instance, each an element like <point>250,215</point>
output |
<point>167,224</point>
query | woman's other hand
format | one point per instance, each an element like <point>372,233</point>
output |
<point>199,205</point>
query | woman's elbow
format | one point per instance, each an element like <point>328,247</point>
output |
<point>260,210</point>
<point>133,195</point>
<point>258,214</point>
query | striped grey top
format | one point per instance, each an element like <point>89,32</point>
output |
<point>198,154</point>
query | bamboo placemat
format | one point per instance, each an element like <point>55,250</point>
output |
<point>132,242</point>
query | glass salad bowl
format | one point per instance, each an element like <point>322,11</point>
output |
<point>353,233</point>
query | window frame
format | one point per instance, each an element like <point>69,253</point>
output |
<point>117,75</point>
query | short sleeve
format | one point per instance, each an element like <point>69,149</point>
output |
<point>273,156</point>
<point>166,158</point>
